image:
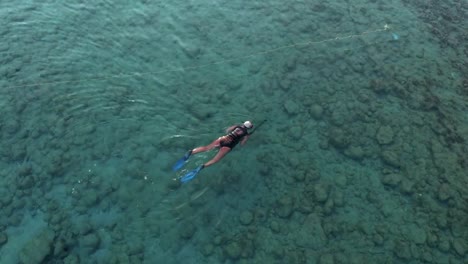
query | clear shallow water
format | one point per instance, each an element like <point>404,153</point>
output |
<point>363,158</point>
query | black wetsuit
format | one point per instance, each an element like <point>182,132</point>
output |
<point>232,139</point>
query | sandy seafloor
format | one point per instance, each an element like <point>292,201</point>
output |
<point>363,158</point>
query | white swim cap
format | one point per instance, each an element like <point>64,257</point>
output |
<point>248,124</point>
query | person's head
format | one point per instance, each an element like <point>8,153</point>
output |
<point>248,124</point>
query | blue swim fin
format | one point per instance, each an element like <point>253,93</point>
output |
<point>191,174</point>
<point>181,162</point>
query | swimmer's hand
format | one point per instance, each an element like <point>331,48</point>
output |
<point>244,140</point>
<point>231,128</point>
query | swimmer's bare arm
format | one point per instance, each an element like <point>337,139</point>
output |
<point>231,128</point>
<point>244,140</point>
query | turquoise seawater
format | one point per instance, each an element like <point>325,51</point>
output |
<point>362,158</point>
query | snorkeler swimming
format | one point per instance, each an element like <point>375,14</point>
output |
<point>236,134</point>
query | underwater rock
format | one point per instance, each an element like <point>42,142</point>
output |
<point>378,239</point>
<point>218,240</point>
<point>246,218</point>
<point>445,160</point>
<point>329,206</point>
<point>90,198</point>
<point>311,234</point>
<point>406,186</point>
<point>295,132</point>
<point>299,176</point>
<point>248,248</point>
<point>354,152</point>
<point>3,238</point>
<point>52,206</point>
<point>444,192</point>
<point>11,126</point>
<point>402,250</point>
<point>312,175</point>
<point>17,152</point>
<point>460,246</point>
<point>338,118</point>
<point>457,227</point>
<point>321,193</point>
<point>337,138</point>
<point>6,197</point>
<point>278,252</point>
<point>135,248</point>
<point>291,107</point>
<point>261,214</point>
<point>202,113</point>
<point>364,96</point>
<point>432,239</point>
<point>84,228</point>
<point>417,234</point>
<point>25,183</point>
<point>341,180</point>
<point>15,219</point>
<point>173,185</point>
<point>326,259</point>
<point>338,198</point>
<point>316,111</point>
<point>91,242</point>
<point>264,169</point>
<point>385,135</point>
<point>340,257</point>
<point>426,256</point>
<point>444,245</point>
<point>324,144</point>
<point>291,64</point>
<point>306,206</point>
<point>38,248</point>
<point>284,207</point>
<point>390,158</point>
<point>71,259</point>
<point>119,256</point>
<point>60,248</point>
<point>233,250</point>
<point>190,50</point>
<point>275,227</point>
<point>391,179</point>
<point>187,231</point>
<point>55,219</point>
<point>207,250</point>
<point>24,169</point>
<point>378,86</point>
<point>286,83</point>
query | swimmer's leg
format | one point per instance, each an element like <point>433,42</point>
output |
<point>221,153</point>
<point>193,173</point>
<point>211,146</point>
<point>181,162</point>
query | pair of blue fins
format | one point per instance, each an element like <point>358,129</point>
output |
<point>193,173</point>
<point>189,175</point>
